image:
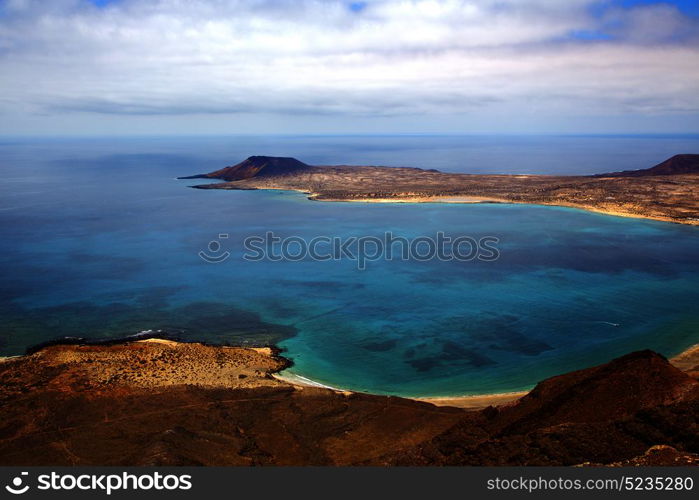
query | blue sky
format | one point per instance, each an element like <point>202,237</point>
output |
<point>690,7</point>
<point>336,66</point>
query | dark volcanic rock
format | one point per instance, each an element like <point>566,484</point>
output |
<point>611,391</point>
<point>256,166</point>
<point>678,164</point>
<point>659,456</point>
<point>168,403</point>
<point>609,413</point>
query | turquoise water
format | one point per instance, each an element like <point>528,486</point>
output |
<point>99,240</point>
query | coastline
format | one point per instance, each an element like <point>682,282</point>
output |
<point>416,199</point>
<point>688,359</point>
<point>469,200</point>
<point>468,402</point>
<point>301,381</point>
<point>475,402</point>
<point>685,361</point>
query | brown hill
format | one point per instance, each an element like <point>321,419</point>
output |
<point>615,390</point>
<point>167,403</point>
<point>678,164</point>
<point>256,166</point>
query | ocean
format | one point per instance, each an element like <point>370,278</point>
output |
<point>100,240</point>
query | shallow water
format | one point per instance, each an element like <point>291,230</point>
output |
<point>100,240</point>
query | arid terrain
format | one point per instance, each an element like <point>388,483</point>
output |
<point>669,191</point>
<point>158,402</point>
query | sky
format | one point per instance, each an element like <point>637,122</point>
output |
<point>158,67</point>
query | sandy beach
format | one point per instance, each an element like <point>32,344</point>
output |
<point>476,401</point>
<point>474,200</point>
<point>413,199</point>
<point>467,402</point>
<point>687,360</point>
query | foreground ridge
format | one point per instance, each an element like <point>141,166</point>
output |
<point>159,402</point>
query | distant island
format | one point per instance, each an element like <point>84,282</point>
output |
<point>668,191</point>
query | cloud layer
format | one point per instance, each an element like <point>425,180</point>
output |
<point>349,59</point>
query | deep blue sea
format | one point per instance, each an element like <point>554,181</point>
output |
<point>98,239</point>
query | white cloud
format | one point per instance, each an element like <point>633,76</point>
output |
<point>321,57</point>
